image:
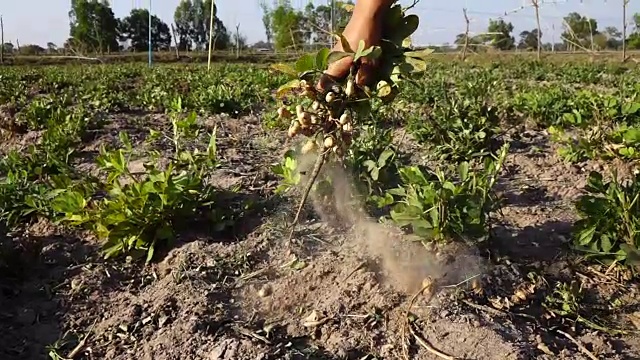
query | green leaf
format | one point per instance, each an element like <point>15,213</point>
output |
<point>407,26</point>
<point>463,170</point>
<point>386,154</point>
<point>69,202</point>
<point>360,50</point>
<point>306,62</point>
<point>346,47</point>
<point>605,243</point>
<point>372,52</point>
<point>336,56</point>
<point>417,64</point>
<point>595,183</point>
<point>585,236</point>
<point>632,136</point>
<point>291,85</point>
<point>375,173</point>
<point>420,54</point>
<point>286,69</point>
<point>370,164</point>
<point>151,251</point>
<point>322,59</point>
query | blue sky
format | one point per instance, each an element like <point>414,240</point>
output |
<point>41,21</point>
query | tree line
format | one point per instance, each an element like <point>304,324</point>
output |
<point>579,33</point>
<point>290,28</point>
<point>95,29</point>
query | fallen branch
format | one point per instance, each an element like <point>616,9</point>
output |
<point>579,345</point>
<point>428,346</point>
<point>81,345</point>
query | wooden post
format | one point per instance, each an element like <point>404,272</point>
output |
<point>624,30</point>
<point>466,34</point>
<point>150,45</point>
<point>1,41</point>
<point>210,35</point>
<point>238,41</point>
<point>536,5</point>
<point>175,41</point>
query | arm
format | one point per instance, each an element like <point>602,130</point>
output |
<point>365,24</point>
<point>371,9</point>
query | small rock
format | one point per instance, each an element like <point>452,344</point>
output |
<point>265,290</point>
<point>27,316</point>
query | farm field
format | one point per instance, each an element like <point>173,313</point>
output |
<point>144,215</point>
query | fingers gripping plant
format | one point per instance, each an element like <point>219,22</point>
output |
<point>330,118</point>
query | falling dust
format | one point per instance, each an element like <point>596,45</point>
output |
<point>404,261</point>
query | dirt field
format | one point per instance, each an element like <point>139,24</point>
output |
<point>337,292</point>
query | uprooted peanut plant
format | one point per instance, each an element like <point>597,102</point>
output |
<point>330,118</point>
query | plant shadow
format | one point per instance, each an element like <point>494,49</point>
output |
<point>544,242</point>
<point>32,267</point>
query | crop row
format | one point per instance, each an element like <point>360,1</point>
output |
<point>458,112</point>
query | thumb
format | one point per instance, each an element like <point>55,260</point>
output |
<point>366,73</point>
<point>336,71</point>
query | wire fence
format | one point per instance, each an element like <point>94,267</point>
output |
<point>452,26</point>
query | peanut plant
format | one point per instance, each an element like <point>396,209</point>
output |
<point>142,211</point>
<point>329,118</point>
<point>442,206</point>
<point>610,224</point>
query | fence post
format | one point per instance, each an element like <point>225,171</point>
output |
<point>175,41</point>
<point>624,30</point>
<point>1,41</point>
<point>466,34</point>
<point>536,5</point>
<point>210,35</point>
<point>238,41</point>
<point>150,46</point>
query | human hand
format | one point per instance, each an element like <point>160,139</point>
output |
<point>364,25</point>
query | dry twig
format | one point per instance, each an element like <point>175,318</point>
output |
<point>421,341</point>
<point>578,344</point>
<point>428,347</point>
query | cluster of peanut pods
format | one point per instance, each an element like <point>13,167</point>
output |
<point>327,122</point>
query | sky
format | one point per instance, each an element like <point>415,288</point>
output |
<point>43,21</point>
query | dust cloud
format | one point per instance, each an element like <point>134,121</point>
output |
<point>403,261</point>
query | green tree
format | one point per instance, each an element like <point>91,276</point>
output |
<point>287,25</point>
<point>31,49</point>
<point>93,26</point>
<point>578,30</point>
<point>500,34</point>
<point>8,47</point>
<point>182,17</point>
<point>614,37</point>
<point>221,36</point>
<point>135,29</point>
<point>266,20</point>
<point>529,40</point>
<point>317,21</point>
<point>633,40</point>
<point>192,18</point>
<point>52,48</point>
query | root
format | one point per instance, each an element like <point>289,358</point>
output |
<point>419,339</point>
<point>314,176</point>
